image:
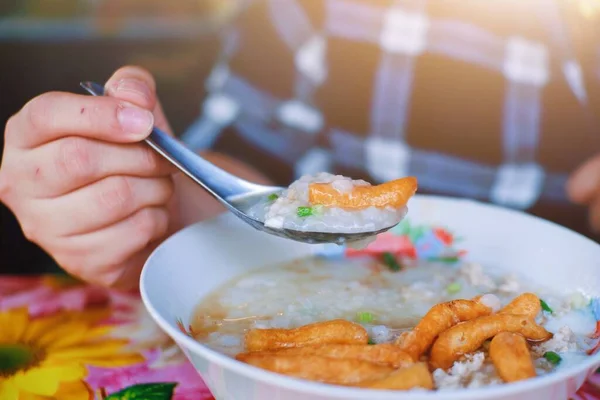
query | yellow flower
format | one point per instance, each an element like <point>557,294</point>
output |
<point>45,358</point>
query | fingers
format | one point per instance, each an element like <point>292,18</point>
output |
<point>134,85</point>
<point>583,185</point>
<point>137,86</point>
<point>65,165</point>
<point>99,256</point>
<point>81,184</point>
<point>56,115</point>
<point>103,204</point>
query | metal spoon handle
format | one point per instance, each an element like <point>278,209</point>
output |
<point>218,182</point>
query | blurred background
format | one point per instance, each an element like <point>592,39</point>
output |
<point>457,108</point>
<point>50,45</point>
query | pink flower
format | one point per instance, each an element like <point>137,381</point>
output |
<point>45,300</point>
<point>50,294</point>
<point>189,384</point>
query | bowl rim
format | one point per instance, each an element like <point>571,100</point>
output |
<point>308,387</point>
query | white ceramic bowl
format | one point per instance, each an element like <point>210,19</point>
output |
<point>195,261</point>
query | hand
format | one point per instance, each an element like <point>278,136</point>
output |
<point>583,188</point>
<point>80,183</point>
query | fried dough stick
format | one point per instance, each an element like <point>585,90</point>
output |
<point>337,331</point>
<point>394,194</point>
<point>510,354</point>
<point>525,304</point>
<point>386,354</point>
<point>317,368</point>
<point>414,376</point>
<point>469,336</point>
<point>438,319</point>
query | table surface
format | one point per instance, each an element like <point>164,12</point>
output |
<point>82,342</point>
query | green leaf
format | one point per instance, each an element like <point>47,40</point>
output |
<point>391,262</point>
<point>545,306</point>
<point>304,212</point>
<point>552,357</point>
<point>145,391</point>
<point>273,197</point>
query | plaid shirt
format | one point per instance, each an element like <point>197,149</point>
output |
<point>485,99</point>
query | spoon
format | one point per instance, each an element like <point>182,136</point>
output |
<point>238,195</point>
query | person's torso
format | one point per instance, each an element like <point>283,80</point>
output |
<point>487,100</point>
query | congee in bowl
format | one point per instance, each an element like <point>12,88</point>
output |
<point>376,318</point>
<point>459,301</point>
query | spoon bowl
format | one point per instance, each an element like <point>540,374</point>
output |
<point>243,203</point>
<point>237,194</point>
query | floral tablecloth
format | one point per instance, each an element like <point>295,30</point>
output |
<point>61,339</point>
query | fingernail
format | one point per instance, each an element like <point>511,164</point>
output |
<point>133,86</point>
<point>135,121</point>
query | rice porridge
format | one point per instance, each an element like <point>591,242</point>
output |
<point>335,204</point>
<point>391,298</point>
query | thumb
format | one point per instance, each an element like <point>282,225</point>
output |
<point>137,86</point>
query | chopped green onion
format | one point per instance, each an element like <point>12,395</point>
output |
<point>390,260</point>
<point>273,197</point>
<point>545,306</point>
<point>552,357</point>
<point>305,211</point>
<point>371,341</point>
<point>364,317</point>
<point>453,288</point>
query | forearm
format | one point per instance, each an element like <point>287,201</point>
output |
<point>191,203</point>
